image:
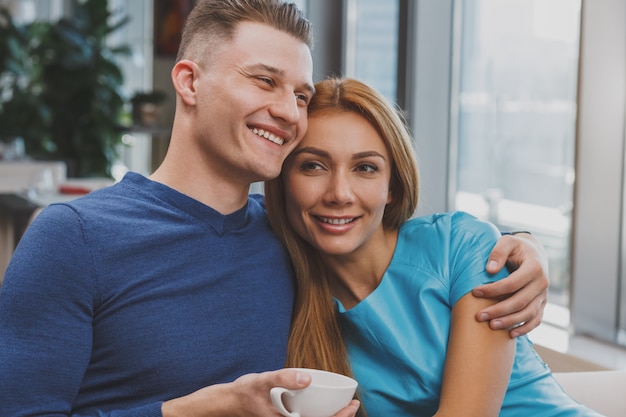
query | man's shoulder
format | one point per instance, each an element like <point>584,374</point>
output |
<point>258,199</point>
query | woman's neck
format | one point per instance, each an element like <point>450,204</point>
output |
<point>358,274</point>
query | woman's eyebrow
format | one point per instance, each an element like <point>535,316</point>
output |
<point>312,150</point>
<point>367,154</point>
<point>323,154</point>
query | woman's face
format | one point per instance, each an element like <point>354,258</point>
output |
<point>337,184</point>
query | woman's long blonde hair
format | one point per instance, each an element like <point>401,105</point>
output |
<point>315,340</point>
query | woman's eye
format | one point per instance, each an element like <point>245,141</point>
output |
<point>310,166</point>
<point>368,168</point>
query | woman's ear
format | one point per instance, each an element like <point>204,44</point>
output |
<point>184,75</point>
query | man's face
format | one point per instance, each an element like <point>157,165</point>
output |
<point>252,103</point>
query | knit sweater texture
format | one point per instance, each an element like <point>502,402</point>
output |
<point>135,294</point>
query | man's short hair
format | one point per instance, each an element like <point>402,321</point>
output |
<point>214,21</point>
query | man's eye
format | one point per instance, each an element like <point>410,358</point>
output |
<point>267,81</point>
<point>303,97</point>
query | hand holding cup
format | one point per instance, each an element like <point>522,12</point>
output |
<point>328,393</point>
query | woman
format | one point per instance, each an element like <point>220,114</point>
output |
<point>402,319</point>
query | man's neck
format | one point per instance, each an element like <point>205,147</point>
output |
<point>222,195</point>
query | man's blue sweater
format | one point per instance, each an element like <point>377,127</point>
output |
<point>136,294</point>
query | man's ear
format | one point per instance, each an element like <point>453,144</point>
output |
<point>184,75</point>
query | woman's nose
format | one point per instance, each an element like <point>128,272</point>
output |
<point>339,190</point>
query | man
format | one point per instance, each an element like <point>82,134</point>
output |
<point>169,295</point>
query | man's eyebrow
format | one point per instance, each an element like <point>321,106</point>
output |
<point>267,68</point>
<point>273,70</point>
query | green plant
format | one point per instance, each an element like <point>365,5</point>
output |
<point>65,95</point>
<point>20,112</point>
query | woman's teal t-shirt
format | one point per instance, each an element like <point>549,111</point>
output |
<point>397,337</point>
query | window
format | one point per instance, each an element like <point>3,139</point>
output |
<point>137,70</point>
<point>372,44</point>
<point>516,123</point>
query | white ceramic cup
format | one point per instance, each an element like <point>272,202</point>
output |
<point>326,395</point>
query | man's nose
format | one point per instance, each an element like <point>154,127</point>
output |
<point>286,108</point>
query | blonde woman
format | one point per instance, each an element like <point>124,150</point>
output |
<point>386,297</point>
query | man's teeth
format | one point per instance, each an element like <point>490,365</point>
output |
<point>336,221</point>
<point>269,136</point>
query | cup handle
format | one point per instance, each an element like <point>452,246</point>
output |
<point>276,394</point>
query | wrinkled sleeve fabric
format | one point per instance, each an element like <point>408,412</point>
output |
<point>471,242</point>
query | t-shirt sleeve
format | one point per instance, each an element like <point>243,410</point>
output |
<point>471,243</point>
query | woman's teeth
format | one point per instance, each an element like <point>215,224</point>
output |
<point>336,221</point>
<point>269,136</point>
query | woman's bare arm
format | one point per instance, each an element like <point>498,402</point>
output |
<point>478,364</point>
